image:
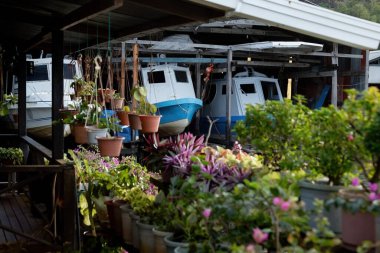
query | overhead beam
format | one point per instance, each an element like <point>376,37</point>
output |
<point>182,9</point>
<point>75,17</point>
<point>13,15</point>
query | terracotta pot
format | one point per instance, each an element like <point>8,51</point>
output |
<point>134,121</point>
<point>110,146</point>
<point>80,134</point>
<point>150,123</point>
<point>118,103</point>
<point>124,118</point>
<point>358,227</point>
<point>108,93</point>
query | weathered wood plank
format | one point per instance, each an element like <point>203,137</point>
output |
<point>5,221</point>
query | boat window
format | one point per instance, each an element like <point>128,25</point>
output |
<point>181,76</point>
<point>209,94</point>
<point>156,77</point>
<point>68,71</point>
<point>270,90</point>
<point>224,90</point>
<point>248,88</point>
<point>38,73</point>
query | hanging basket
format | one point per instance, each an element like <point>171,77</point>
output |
<point>108,93</point>
<point>134,121</point>
<point>110,146</point>
<point>118,103</point>
<point>150,123</point>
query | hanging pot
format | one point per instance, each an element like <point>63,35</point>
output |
<point>134,121</point>
<point>110,146</point>
<point>150,123</point>
<point>93,132</point>
<point>80,134</point>
<point>118,103</point>
<point>124,118</point>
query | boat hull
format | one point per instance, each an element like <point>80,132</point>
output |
<point>177,114</point>
<point>219,126</point>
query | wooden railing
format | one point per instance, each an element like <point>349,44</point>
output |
<point>64,215</point>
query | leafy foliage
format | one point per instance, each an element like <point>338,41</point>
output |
<point>14,155</point>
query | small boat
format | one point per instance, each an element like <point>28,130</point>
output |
<point>170,88</point>
<point>39,91</point>
<point>248,87</point>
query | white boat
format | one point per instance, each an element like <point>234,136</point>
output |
<point>374,68</point>
<point>248,87</point>
<point>39,90</point>
<point>170,88</point>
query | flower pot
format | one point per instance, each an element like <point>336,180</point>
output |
<point>135,230</point>
<point>65,113</point>
<point>358,227</point>
<point>150,123</point>
<point>311,191</point>
<point>118,103</point>
<point>159,243</point>
<point>108,93</point>
<point>126,223</point>
<point>124,118</point>
<point>171,245</point>
<point>146,237</point>
<point>114,214</point>
<point>93,132</point>
<point>110,146</point>
<point>80,134</point>
<point>134,121</point>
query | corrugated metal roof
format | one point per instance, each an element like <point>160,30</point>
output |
<point>304,18</point>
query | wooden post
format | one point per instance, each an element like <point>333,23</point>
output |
<point>122,69</point>
<point>334,79</point>
<point>57,94</point>
<point>22,95</point>
<point>135,72</point>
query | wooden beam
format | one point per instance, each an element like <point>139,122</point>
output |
<point>75,17</point>
<point>182,9</point>
<point>17,15</point>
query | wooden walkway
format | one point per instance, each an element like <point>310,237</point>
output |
<point>16,214</point>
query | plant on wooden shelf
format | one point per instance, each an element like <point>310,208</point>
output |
<point>11,156</point>
<point>6,102</point>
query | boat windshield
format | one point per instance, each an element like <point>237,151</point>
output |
<point>156,77</point>
<point>181,76</point>
<point>270,90</point>
<point>38,73</point>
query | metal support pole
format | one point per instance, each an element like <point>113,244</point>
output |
<point>366,75</point>
<point>198,93</point>
<point>228,98</point>
<point>334,79</point>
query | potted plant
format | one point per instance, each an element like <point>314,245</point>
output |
<point>360,206</point>
<point>329,160</point>
<point>11,155</point>
<point>277,130</point>
<point>123,115</point>
<point>82,88</point>
<point>146,111</point>
<point>6,102</point>
<point>117,101</point>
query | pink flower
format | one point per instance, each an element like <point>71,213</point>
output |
<point>350,137</point>
<point>277,201</point>
<point>206,213</point>
<point>285,206</point>
<point>250,248</point>
<point>259,236</point>
<point>372,196</point>
<point>373,187</point>
<point>355,181</point>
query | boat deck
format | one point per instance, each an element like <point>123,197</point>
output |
<point>22,225</point>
